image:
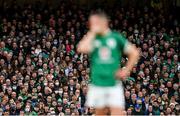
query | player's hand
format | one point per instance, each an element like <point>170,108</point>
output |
<point>90,35</point>
<point>122,73</point>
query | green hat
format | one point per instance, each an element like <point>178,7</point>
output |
<point>59,100</point>
<point>130,79</point>
<point>171,75</point>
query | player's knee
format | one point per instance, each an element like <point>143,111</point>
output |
<point>100,111</point>
<point>118,111</point>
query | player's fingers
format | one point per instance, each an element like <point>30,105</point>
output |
<point>120,75</point>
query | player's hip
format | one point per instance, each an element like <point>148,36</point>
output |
<point>112,96</point>
<point>111,85</point>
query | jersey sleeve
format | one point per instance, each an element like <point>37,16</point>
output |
<point>122,42</point>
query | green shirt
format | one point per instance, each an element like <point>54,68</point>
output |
<point>105,58</point>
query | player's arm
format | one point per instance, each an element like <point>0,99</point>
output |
<point>85,45</point>
<point>132,53</point>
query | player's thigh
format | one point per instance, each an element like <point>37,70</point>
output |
<point>116,97</point>
<point>95,97</point>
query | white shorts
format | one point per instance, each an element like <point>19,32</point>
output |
<point>100,97</point>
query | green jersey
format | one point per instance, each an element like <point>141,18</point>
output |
<point>105,58</point>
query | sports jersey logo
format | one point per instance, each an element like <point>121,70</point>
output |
<point>111,43</point>
<point>105,53</point>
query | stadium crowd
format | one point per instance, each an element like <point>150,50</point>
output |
<point>41,72</point>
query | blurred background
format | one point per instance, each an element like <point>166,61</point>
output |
<point>41,72</point>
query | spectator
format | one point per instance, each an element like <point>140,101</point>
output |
<point>41,72</point>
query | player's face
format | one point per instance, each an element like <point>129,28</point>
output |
<point>97,24</point>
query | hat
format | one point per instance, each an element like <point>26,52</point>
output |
<point>131,107</point>
<point>131,79</point>
<point>153,95</point>
<point>172,104</point>
<point>59,100</point>
<point>176,93</point>
<point>20,98</point>
<point>40,71</point>
<point>136,31</point>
